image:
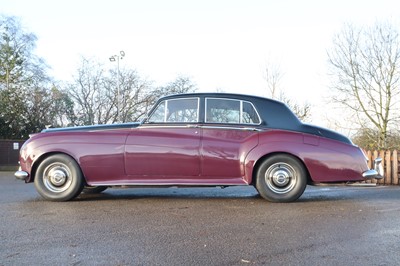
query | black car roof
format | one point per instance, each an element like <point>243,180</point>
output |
<point>274,114</point>
<point>220,95</point>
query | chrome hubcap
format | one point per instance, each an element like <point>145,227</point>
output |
<point>281,178</point>
<point>57,177</point>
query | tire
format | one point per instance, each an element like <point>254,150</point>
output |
<point>93,190</point>
<point>59,178</point>
<point>281,178</point>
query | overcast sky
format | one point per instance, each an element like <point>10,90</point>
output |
<point>218,44</point>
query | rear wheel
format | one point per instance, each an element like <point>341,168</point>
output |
<point>281,178</point>
<point>59,178</point>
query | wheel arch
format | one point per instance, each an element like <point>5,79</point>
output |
<point>46,155</point>
<point>259,161</point>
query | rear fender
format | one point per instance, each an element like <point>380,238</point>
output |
<point>260,153</point>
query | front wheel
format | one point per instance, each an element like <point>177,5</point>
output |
<point>281,178</point>
<point>59,178</point>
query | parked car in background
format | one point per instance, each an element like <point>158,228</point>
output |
<point>198,139</point>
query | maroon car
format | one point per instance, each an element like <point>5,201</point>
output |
<point>198,139</point>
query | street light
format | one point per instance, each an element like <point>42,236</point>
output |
<point>114,58</point>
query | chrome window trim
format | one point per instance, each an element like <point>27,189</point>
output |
<point>166,125</point>
<point>241,113</point>
<point>198,126</point>
<point>165,111</point>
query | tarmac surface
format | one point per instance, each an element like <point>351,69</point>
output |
<point>200,226</point>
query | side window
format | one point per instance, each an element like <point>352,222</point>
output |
<point>223,111</point>
<point>184,110</point>
<point>249,114</point>
<point>159,114</point>
<point>230,112</point>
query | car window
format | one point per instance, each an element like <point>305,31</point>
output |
<point>222,111</point>
<point>230,111</point>
<point>159,114</point>
<point>249,114</point>
<point>185,110</point>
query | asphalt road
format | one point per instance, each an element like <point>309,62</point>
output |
<point>202,226</point>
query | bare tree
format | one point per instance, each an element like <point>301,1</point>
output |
<point>181,84</point>
<point>273,76</point>
<point>366,138</point>
<point>365,65</point>
<point>134,95</point>
<point>104,97</point>
<point>88,94</point>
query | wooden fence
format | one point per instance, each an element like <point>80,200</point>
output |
<point>390,163</point>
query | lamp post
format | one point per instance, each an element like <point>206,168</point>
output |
<point>116,58</point>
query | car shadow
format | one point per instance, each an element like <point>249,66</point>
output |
<point>171,193</point>
<point>312,194</point>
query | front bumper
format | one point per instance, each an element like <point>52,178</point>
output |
<point>22,175</point>
<point>376,172</point>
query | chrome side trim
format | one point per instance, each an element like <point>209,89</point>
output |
<point>167,184</point>
<point>231,128</point>
<point>165,125</point>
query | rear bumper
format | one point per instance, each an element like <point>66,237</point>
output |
<point>376,172</point>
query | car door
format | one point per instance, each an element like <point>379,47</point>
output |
<point>228,134</point>
<point>167,145</point>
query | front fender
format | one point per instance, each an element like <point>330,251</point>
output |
<point>31,157</point>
